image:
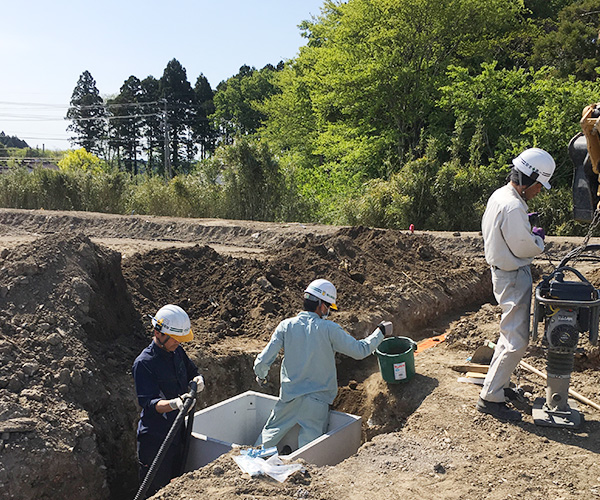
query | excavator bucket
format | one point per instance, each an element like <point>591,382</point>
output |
<point>585,181</point>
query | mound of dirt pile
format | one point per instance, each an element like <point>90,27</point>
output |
<point>378,274</point>
<point>63,308</point>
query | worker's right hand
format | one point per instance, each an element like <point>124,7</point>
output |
<point>179,403</point>
<point>261,381</point>
<point>176,403</point>
<point>534,218</point>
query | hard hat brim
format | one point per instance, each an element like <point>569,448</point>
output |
<point>333,306</point>
<point>182,338</point>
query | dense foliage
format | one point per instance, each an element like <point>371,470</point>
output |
<point>12,141</point>
<point>394,112</point>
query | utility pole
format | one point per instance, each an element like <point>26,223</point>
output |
<point>167,153</point>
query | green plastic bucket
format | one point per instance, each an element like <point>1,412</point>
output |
<point>396,359</point>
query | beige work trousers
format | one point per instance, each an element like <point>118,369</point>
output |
<point>512,290</point>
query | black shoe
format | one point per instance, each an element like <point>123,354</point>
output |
<point>498,410</point>
<point>286,450</point>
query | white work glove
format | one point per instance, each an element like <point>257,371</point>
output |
<point>386,328</point>
<point>178,403</point>
<point>261,381</point>
<point>199,379</point>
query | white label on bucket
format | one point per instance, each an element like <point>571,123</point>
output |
<point>400,371</point>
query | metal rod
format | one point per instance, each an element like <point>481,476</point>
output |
<point>575,395</point>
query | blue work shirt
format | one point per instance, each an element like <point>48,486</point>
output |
<point>310,343</point>
<point>159,374</point>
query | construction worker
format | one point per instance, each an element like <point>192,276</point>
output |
<point>162,373</point>
<point>308,372</point>
<point>510,245</point>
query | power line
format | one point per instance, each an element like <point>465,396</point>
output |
<point>50,119</point>
<point>170,105</point>
<point>37,104</point>
<point>108,117</point>
<point>29,159</point>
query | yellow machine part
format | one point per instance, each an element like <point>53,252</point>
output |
<point>590,126</point>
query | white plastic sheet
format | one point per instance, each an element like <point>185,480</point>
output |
<point>273,467</point>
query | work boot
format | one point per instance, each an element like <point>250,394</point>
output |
<point>498,410</point>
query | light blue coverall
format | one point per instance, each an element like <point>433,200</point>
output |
<point>308,373</point>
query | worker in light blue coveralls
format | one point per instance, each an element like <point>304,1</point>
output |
<point>308,373</point>
<point>510,245</point>
<point>162,373</point>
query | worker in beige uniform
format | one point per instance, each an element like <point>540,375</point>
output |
<point>510,245</point>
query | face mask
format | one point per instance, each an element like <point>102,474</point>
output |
<point>326,315</point>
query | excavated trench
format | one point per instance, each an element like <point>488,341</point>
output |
<point>72,322</point>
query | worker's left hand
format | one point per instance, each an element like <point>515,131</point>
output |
<point>261,381</point>
<point>386,328</point>
<point>199,379</point>
<point>538,231</point>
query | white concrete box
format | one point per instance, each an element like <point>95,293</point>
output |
<point>238,421</point>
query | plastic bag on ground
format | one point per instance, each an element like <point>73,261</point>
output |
<point>273,467</point>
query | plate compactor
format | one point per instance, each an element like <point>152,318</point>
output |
<point>567,309</point>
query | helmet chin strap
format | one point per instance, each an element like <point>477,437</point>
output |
<point>160,342</point>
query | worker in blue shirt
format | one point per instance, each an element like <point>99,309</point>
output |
<point>162,373</point>
<point>308,372</point>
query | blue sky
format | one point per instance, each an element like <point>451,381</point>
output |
<point>45,47</point>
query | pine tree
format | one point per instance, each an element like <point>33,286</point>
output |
<point>204,132</point>
<point>88,115</point>
<point>152,124</point>
<point>126,123</point>
<point>178,98</point>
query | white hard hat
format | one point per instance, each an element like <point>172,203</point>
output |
<point>323,290</point>
<point>173,321</point>
<point>537,164</point>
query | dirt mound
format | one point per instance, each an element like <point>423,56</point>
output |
<point>148,227</point>
<point>378,274</point>
<point>64,308</point>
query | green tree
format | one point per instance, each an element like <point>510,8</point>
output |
<point>497,113</point>
<point>238,99</point>
<point>178,100</point>
<point>253,184</point>
<point>88,115</point>
<point>125,117</point>
<point>3,154</point>
<point>204,132</point>
<point>489,110</point>
<point>152,123</point>
<point>356,100</point>
<point>571,45</point>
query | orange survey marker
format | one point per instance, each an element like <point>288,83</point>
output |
<point>430,342</point>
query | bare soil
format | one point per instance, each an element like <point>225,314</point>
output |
<point>75,291</point>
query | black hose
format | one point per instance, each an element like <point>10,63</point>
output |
<point>576,252</point>
<point>167,441</point>
<point>186,443</point>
